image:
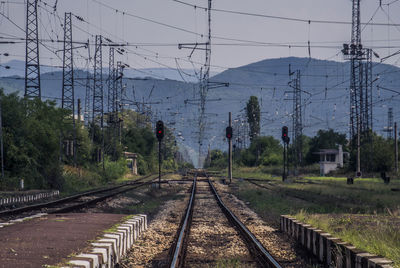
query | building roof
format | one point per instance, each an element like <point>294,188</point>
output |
<point>130,155</point>
<point>327,151</point>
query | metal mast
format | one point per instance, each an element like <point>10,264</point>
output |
<point>32,67</point>
<point>88,91</point>
<point>111,83</point>
<point>88,97</point>
<point>119,97</point>
<point>356,71</point>
<point>297,122</point>
<point>389,128</point>
<point>68,100</point>
<point>361,84</point>
<point>98,108</point>
<point>368,85</point>
<point>204,83</point>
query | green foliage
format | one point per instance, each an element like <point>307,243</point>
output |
<point>376,154</point>
<point>253,117</point>
<point>31,131</point>
<point>114,169</point>
<point>77,179</point>
<point>325,139</point>
<point>218,159</point>
<point>264,151</point>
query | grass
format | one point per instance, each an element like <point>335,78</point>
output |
<point>375,234</point>
<point>365,214</point>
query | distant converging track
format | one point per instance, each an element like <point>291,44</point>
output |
<point>211,233</point>
<point>75,202</point>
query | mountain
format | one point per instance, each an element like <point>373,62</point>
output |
<point>325,97</point>
<point>17,68</point>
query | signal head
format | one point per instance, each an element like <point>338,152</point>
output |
<point>160,130</point>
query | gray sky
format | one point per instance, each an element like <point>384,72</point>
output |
<point>161,42</point>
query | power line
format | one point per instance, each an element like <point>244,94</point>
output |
<point>308,21</point>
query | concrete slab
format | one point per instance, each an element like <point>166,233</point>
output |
<point>51,238</point>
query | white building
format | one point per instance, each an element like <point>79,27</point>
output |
<point>330,160</point>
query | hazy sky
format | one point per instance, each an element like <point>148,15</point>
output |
<point>157,44</point>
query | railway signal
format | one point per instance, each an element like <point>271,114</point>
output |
<point>229,135</point>
<point>285,137</point>
<point>229,131</point>
<point>160,130</point>
<point>286,140</point>
<point>160,136</point>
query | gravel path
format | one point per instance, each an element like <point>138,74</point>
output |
<point>151,250</point>
<point>279,247</point>
<point>212,241</point>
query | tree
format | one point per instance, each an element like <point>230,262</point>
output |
<point>253,117</point>
<point>263,151</point>
<point>325,139</point>
<point>31,141</point>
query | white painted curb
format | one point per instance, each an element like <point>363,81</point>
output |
<point>26,198</point>
<point>109,250</point>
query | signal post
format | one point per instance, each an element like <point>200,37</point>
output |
<point>160,136</point>
<point>286,140</point>
<point>229,132</point>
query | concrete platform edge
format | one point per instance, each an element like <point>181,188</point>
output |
<point>110,249</point>
<point>330,250</point>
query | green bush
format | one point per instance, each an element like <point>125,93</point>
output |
<point>114,169</point>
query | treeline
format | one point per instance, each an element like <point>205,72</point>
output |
<point>377,153</point>
<point>32,131</point>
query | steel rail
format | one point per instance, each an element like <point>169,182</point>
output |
<point>177,256</point>
<point>97,199</point>
<point>67,199</point>
<point>262,255</point>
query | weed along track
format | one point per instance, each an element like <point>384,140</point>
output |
<point>212,236</point>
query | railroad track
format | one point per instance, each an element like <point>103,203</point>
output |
<point>209,230</point>
<point>74,202</point>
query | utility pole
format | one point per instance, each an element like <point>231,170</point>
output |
<point>286,140</point>
<point>396,149</point>
<point>98,106</point>
<point>204,84</point>
<point>68,99</point>
<point>79,110</point>
<point>160,136</point>
<point>111,83</point>
<point>358,171</point>
<point>32,66</point>
<point>1,138</point>
<point>389,127</point>
<point>297,118</point>
<point>88,94</point>
<point>230,150</point>
<point>361,85</point>
<point>120,98</point>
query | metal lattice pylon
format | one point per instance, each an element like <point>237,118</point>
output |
<point>204,84</point>
<point>297,122</point>
<point>111,83</point>
<point>98,109</point>
<point>88,97</point>
<point>68,99</point>
<point>32,67</point>
<point>98,105</point>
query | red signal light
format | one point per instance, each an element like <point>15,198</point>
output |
<point>159,130</point>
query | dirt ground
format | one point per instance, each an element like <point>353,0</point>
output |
<point>50,239</point>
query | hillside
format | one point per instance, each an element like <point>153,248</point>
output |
<point>325,98</point>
